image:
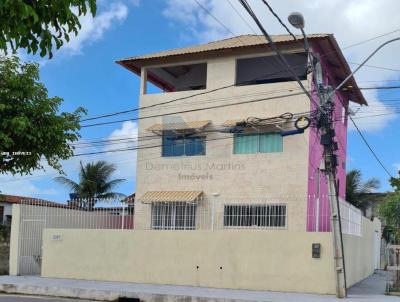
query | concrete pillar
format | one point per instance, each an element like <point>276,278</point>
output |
<point>14,239</point>
<point>143,81</point>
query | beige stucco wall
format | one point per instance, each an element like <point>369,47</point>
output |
<point>360,251</point>
<point>253,175</point>
<point>259,260</point>
<point>14,239</point>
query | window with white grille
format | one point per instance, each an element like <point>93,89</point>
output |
<point>173,216</point>
<point>255,216</point>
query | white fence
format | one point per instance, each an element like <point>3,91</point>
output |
<point>35,215</point>
<point>231,212</point>
<point>350,218</point>
<point>319,216</point>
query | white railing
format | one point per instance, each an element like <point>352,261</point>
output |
<point>319,216</point>
<point>350,218</point>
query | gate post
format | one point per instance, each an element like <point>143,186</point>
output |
<point>15,240</point>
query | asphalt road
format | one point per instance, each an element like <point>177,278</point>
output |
<point>17,298</point>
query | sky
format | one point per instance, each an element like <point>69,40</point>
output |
<point>84,73</point>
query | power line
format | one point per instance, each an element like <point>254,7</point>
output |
<point>380,88</point>
<point>279,20</point>
<point>185,97</point>
<point>371,39</point>
<point>369,147</point>
<point>216,19</point>
<point>194,110</point>
<point>241,17</point>
<point>354,123</point>
<point>225,87</point>
<point>271,43</point>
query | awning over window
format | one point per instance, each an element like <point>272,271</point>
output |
<point>171,196</point>
<point>181,126</point>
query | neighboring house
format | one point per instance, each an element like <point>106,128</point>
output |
<point>373,201</point>
<point>7,201</point>
<point>221,167</point>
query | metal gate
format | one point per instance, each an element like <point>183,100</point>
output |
<point>30,258</point>
<point>393,268</point>
<point>36,215</point>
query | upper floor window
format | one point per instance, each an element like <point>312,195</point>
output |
<point>267,69</point>
<point>180,145</point>
<point>251,143</point>
<point>179,77</point>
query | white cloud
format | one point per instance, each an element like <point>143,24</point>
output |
<point>93,29</point>
<point>125,162</point>
<point>351,21</point>
<point>23,187</point>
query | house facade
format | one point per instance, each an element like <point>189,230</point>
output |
<point>195,145</point>
<point>230,183</point>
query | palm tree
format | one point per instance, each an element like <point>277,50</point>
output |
<point>356,188</point>
<point>94,183</point>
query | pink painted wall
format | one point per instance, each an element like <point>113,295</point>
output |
<point>318,211</point>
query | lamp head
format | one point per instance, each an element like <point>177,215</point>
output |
<point>296,19</point>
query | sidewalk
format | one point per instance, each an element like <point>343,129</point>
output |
<point>370,290</point>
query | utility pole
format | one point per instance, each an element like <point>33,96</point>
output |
<point>326,127</point>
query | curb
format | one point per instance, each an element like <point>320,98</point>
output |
<point>101,295</point>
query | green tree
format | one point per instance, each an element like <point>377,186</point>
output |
<point>395,182</point>
<point>30,121</point>
<point>95,183</point>
<point>34,24</point>
<point>356,188</point>
<point>390,212</point>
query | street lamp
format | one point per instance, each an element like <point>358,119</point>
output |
<point>296,19</point>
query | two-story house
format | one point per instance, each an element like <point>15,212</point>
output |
<point>214,148</point>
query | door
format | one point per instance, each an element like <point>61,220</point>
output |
<point>30,252</point>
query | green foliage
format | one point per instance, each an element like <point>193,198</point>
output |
<point>395,182</point>
<point>29,121</point>
<point>35,25</point>
<point>94,182</point>
<point>356,188</point>
<point>5,233</point>
<point>390,211</point>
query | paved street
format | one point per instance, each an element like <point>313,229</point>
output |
<point>17,298</point>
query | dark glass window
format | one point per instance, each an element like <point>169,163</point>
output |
<point>175,145</point>
<point>261,70</point>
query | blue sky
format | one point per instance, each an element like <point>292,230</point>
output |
<point>84,72</point>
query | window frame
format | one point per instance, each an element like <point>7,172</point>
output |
<point>202,139</point>
<point>270,81</point>
<point>249,207</point>
<point>258,142</point>
<point>173,221</point>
